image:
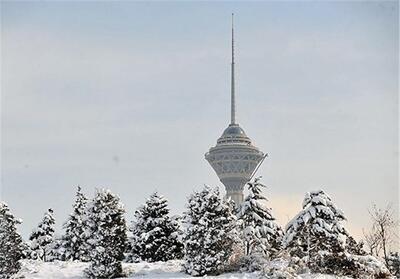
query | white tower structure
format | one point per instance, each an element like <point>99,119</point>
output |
<point>234,158</point>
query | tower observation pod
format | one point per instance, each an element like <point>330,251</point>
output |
<point>235,159</point>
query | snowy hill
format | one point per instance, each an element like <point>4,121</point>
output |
<point>171,269</point>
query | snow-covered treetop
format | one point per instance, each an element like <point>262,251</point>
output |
<point>200,204</point>
<point>155,235</point>
<point>156,205</point>
<point>42,236</point>
<point>255,187</point>
<point>48,216</point>
<point>6,215</point>
<point>79,209</point>
<point>319,214</point>
<point>317,204</point>
<point>105,216</point>
<point>255,206</point>
<point>80,199</point>
<point>152,214</point>
<point>3,204</point>
<point>46,226</point>
<point>106,197</point>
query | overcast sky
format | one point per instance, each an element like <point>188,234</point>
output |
<point>129,96</point>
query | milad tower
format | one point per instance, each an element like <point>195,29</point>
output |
<point>235,159</point>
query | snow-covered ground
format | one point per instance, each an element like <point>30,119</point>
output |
<point>171,269</point>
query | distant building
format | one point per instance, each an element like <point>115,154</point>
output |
<point>234,158</point>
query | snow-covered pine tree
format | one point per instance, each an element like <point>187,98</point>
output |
<point>57,249</point>
<point>107,235</point>
<point>156,236</point>
<point>394,263</point>
<point>316,228</point>
<point>74,240</point>
<point>317,237</point>
<point>260,233</point>
<point>42,237</point>
<point>26,250</point>
<point>210,233</point>
<point>354,247</point>
<point>11,244</point>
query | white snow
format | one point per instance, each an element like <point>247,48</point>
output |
<point>172,269</point>
<point>38,269</point>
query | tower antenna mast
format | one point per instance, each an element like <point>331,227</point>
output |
<point>233,105</point>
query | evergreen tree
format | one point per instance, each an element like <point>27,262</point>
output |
<point>156,236</point>
<point>354,247</point>
<point>11,244</point>
<point>394,263</point>
<point>57,249</point>
<point>261,234</point>
<point>210,233</point>
<point>42,237</point>
<point>316,228</point>
<point>107,235</point>
<point>74,241</point>
<point>26,250</point>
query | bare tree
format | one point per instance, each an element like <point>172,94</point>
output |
<point>382,234</point>
<point>373,242</point>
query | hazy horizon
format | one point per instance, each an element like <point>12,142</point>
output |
<point>130,96</point>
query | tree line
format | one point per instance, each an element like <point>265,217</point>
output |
<point>211,237</point>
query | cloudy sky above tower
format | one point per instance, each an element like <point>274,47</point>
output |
<point>130,95</point>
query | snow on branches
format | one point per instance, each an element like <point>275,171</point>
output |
<point>316,228</point>
<point>42,238</point>
<point>156,236</point>
<point>261,234</point>
<point>11,246</point>
<point>107,235</point>
<point>210,233</point>
<point>74,240</point>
